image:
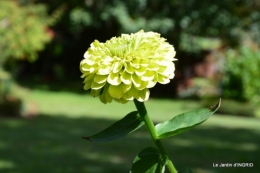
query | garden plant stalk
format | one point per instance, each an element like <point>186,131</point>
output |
<point>150,126</point>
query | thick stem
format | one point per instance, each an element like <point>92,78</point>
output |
<point>150,126</point>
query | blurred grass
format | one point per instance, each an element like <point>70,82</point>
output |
<point>78,104</point>
<point>52,141</point>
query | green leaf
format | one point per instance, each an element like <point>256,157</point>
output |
<point>121,128</point>
<point>185,121</point>
<point>148,160</point>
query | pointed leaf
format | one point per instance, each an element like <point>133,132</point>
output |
<point>184,122</point>
<point>148,161</point>
<point>121,128</point>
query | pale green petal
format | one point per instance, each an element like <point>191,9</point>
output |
<point>169,56</point>
<point>126,87</point>
<point>167,71</point>
<point>86,54</point>
<point>84,74</point>
<point>126,78</point>
<point>92,70</point>
<point>96,86</point>
<point>140,71</point>
<point>134,66</point>
<point>100,78</point>
<point>85,67</point>
<point>102,98</point>
<point>145,62</point>
<point>114,79</point>
<point>87,85</point>
<point>108,97</point>
<point>151,83</point>
<point>162,62</point>
<point>107,60</point>
<point>130,69</point>
<point>105,97</point>
<point>135,62</point>
<point>143,95</point>
<point>95,93</point>
<point>89,78</point>
<point>132,93</point>
<point>136,80</point>
<point>171,76</point>
<point>143,85</point>
<point>128,96</point>
<point>96,43</point>
<point>123,101</point>
<point>153,66</point>
<point>170,70</point>
<point>163,79</point>
<point>104,70</point>
<point>149,75</point>
<point>89,62</point>
<point>162,69</point>
<point>115,91</point>
<point>117,67</point>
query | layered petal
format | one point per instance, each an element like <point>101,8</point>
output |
<point>124,68</point>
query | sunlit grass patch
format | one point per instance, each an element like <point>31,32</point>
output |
<point>52,141</point>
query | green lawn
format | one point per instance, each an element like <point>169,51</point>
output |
<point>51,142</point>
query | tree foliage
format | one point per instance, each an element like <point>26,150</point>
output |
<point>23,30</point>
<point>175,19</point>
<point>189,25</point>
<point>242,73</point>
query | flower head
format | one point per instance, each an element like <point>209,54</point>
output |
<point>124,68</point>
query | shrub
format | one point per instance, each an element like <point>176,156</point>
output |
<point>24,30</point>
<point>241,80</point>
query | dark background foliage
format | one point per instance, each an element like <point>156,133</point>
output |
<point>202,32</point>
<point>43,41</point>
<point>181,22</point>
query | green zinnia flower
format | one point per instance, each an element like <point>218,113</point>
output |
<point>124,68</point>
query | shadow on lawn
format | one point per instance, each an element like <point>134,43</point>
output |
<point>53,145</point>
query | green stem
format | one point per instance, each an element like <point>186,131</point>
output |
<point>150,126</point>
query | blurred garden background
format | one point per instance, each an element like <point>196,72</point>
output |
<point>44,110</point>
